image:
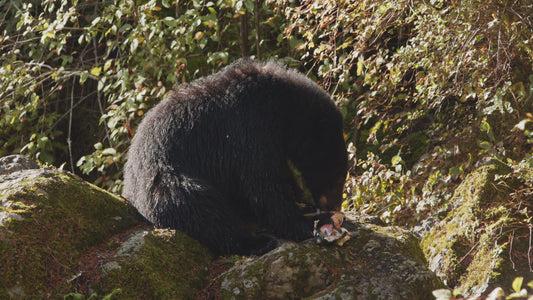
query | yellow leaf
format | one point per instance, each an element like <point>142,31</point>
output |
<point>517,284</point>
<point>96,71</point>
<point>50,34</point>
<point>359,68</point>
<point>156,8</point>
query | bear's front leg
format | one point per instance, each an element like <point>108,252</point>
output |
<point>273,203</point>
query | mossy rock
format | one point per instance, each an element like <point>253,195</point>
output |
<point>377,263</point>
<point>467,249</point>
<point>156,264</point>
<point>48,218</point>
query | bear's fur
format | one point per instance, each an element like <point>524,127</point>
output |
<point>214,157</point>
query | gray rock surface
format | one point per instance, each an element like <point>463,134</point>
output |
<point>13,163</point>
<point>377,263</point>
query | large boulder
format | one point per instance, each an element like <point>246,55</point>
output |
<point>377,263</point>
<point>481,244</point>
<point>48,218</point>
<point>60,235</point>
<point>155,264</point>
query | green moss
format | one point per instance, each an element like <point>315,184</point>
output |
<point>409,243</point>
<point>482,266</point>
<point>466,244</point>
<point>499,167</point>
<point>296,265</point>
<point>166,267</point>
<point>63,216</point>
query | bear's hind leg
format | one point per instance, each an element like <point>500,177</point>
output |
<point>200,211</point>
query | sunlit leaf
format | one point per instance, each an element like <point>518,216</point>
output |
<point>442,294</point>
<point>108,64</point>
<point>517,284</point>
<point>96,71</point>
<point>396,160</point>
<point>485,145</point>
<point>109,151</point>
<point>83,77</point>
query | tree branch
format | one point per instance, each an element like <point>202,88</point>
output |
<point>257,7</point>
<point>244,34</point>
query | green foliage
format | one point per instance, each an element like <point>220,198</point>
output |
<point>378,184</point>
<point>116,58</point>
<point>437,70</point>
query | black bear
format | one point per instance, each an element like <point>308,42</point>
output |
<point>218,155</point>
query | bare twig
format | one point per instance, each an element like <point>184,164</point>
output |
<point>469,251</point>
<point>244,34</point>
<point>529,249</point>
<point>98,94</point>
<point>69,141</point>
<point>511,250</point>
<point>67,113</point>
<point>257,11</point>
